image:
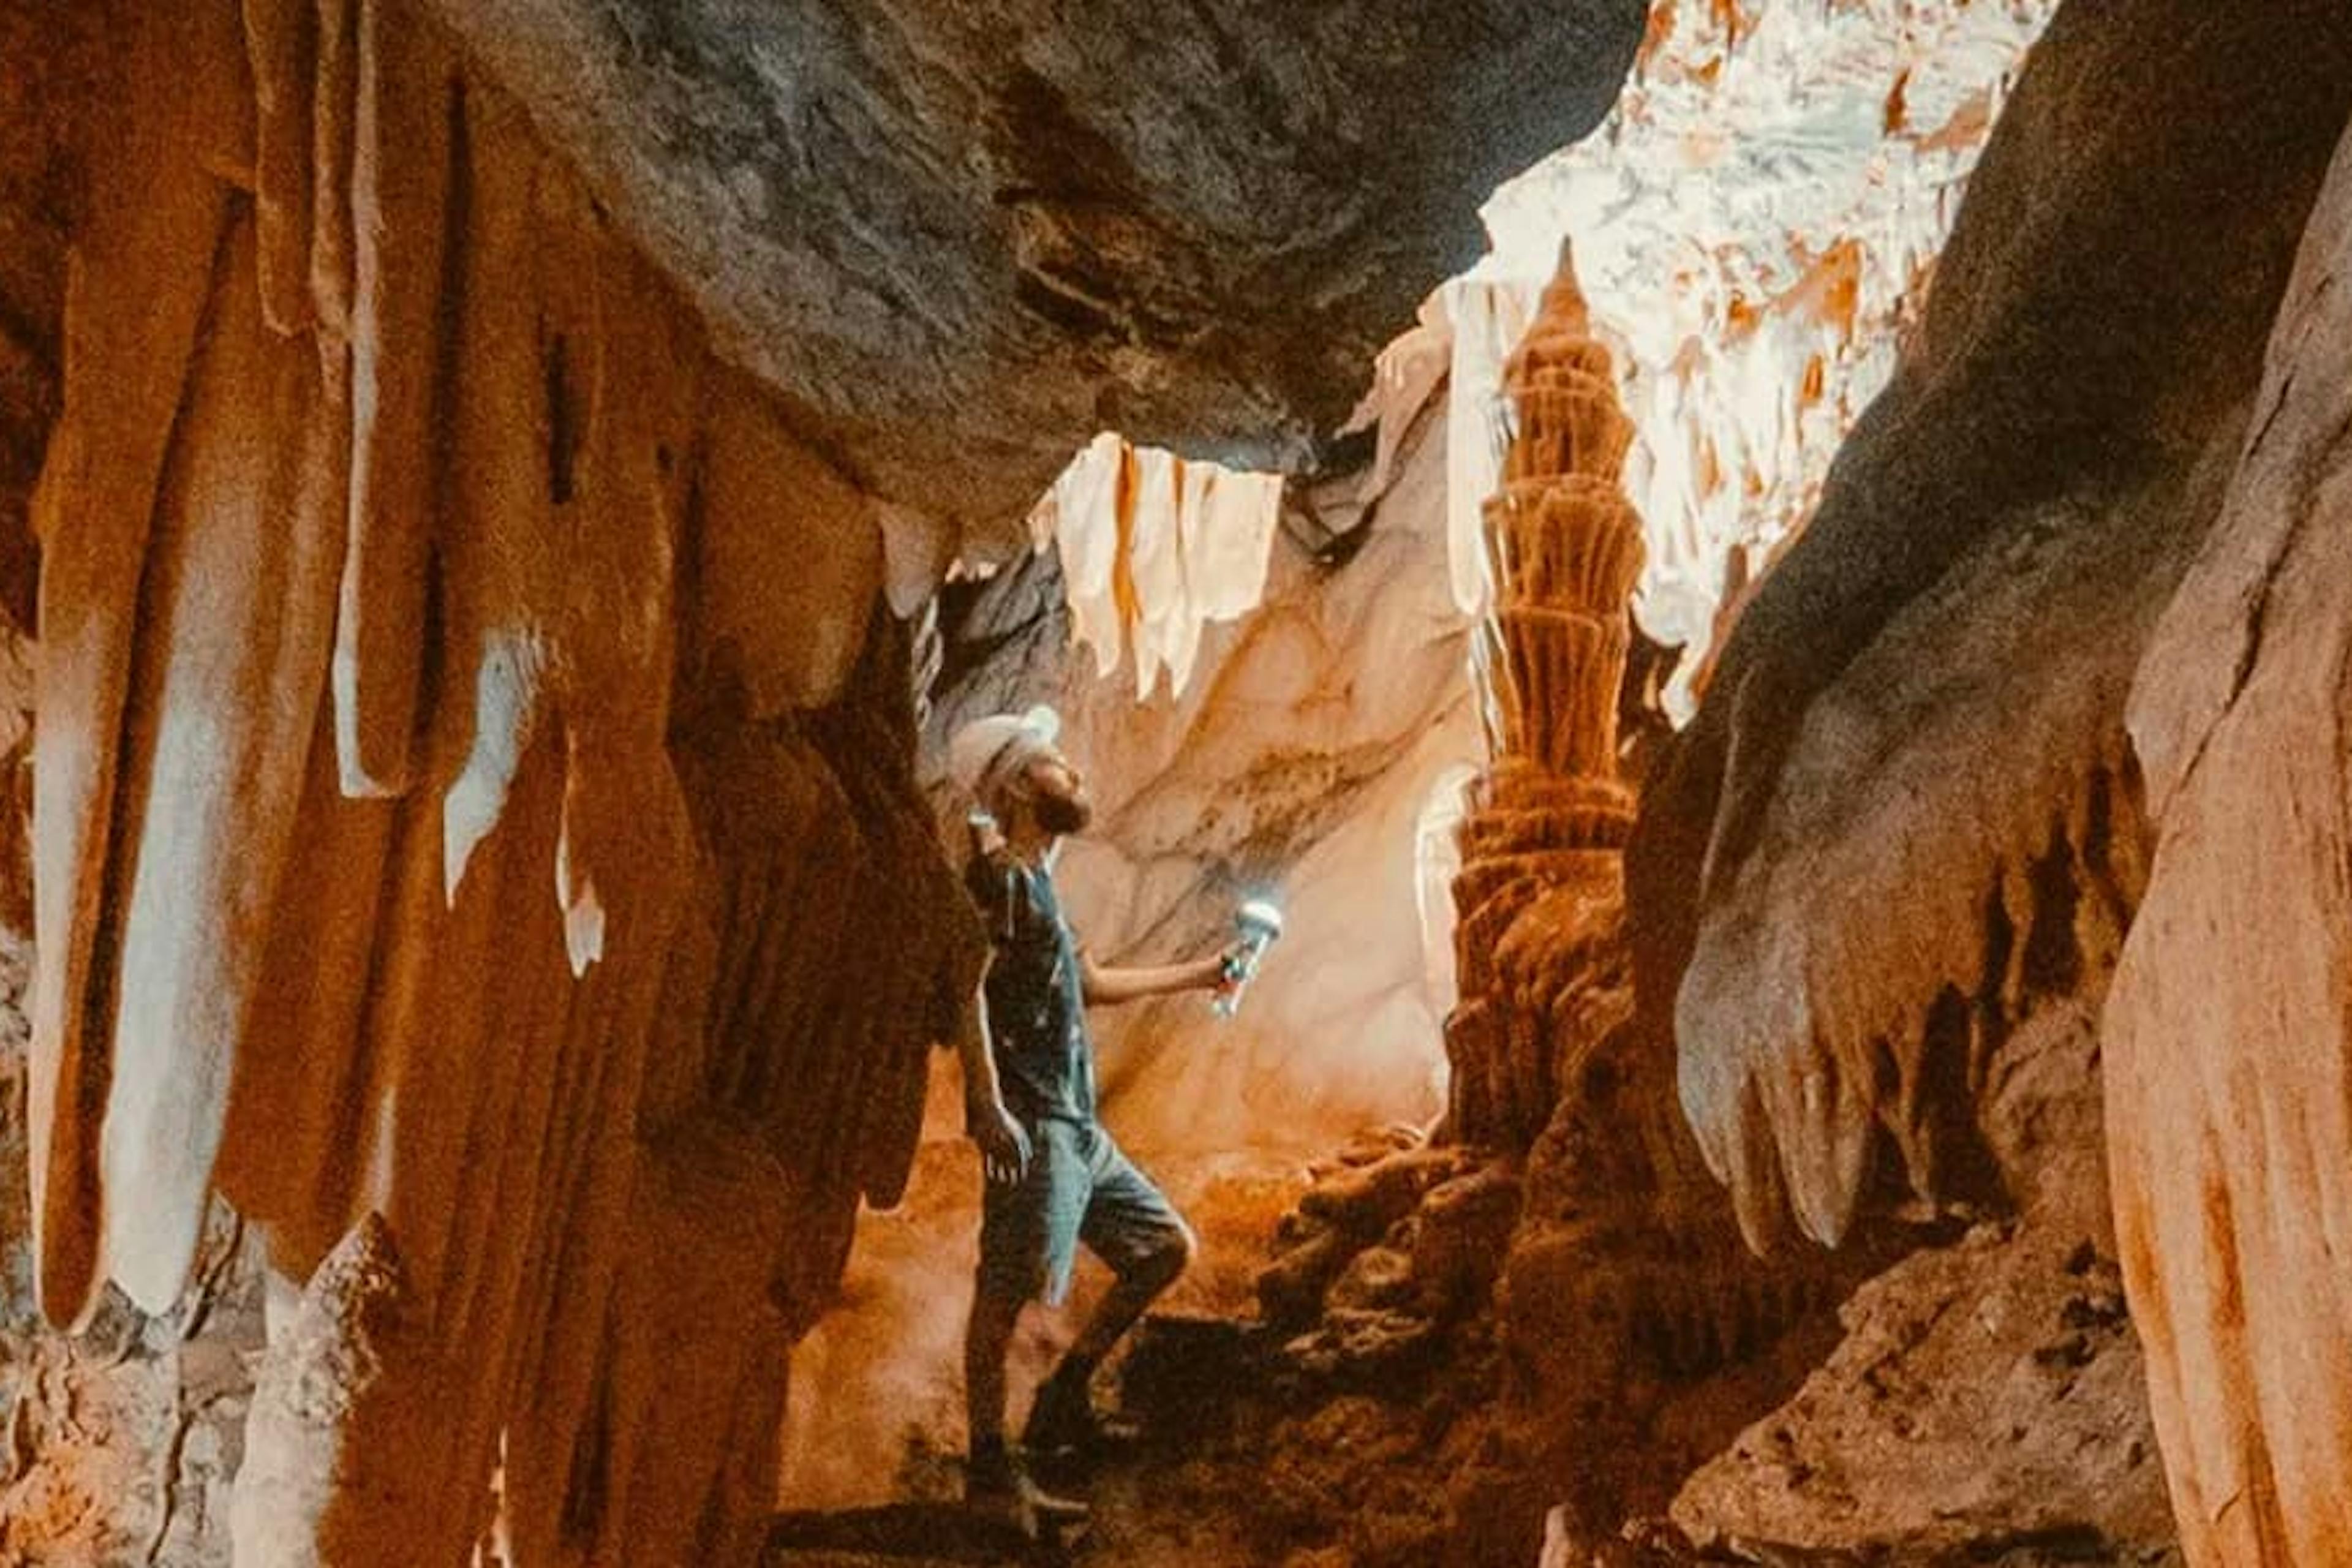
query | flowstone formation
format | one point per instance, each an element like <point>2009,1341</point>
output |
<point>2227,1060</point>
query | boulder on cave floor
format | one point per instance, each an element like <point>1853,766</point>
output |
<point>1985,1406</point>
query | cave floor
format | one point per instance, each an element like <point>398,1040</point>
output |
<point>1137,1520</point>
<point>1191,1493</point>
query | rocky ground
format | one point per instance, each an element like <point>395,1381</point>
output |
<point>1978,1402</point>
<point>119,1445</point>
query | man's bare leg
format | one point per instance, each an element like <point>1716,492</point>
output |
<point>993,1475</point>
<point>988,1337</point>
<point>1131,1297</point>
<point>1063,1415</point>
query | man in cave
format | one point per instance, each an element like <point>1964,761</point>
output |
<point>1055,1177</point>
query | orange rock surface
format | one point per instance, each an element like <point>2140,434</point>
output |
<point>451,846</point>
<point>1541,882</point>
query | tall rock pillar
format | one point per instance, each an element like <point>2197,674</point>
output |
<point>1541,890</point>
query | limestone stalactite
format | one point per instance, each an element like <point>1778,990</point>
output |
<point>1155,549</point>
<point>1542,884</point>
<point>429,859</point>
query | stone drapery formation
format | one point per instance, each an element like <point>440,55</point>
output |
<point>1541,885</point>
<point>48,50</point>
<point>2226,1033</point>
<point>1155,550</point>
<point>454,846</point>
<point>961,240</point>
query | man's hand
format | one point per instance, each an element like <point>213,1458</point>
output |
<point>1003,1143</point>
<point>1222,973</point>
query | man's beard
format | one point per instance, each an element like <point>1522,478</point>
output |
<point>1062,813</point>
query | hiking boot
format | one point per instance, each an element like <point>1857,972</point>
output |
<point>998,1486</point>
<point>1063,1420</point>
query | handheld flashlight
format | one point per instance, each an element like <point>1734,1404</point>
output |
<point>1257,923</point>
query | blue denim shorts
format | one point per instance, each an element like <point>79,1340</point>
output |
<point>1080,1186</point>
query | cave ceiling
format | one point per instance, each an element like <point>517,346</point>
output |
<point>960,239</point>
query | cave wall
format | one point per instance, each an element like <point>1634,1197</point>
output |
<point>2226,1029</point>
<point>2079,387</point>
<point>456,846</point>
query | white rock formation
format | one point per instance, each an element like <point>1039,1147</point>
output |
<point>1756,224</point>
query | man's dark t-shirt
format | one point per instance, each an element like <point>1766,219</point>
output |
<point>1036,999</point>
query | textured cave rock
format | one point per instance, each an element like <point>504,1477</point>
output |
<point>1987,1392</point>
<point>1988,1397</point>
<point>962,238</point>
<point>121,1444</point>
<point>2227,1033</point>
<point>1922,705</point>
<point>1906,830</point>
<point>48,49</point>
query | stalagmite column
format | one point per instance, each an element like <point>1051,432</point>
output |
<point>1542,882</point>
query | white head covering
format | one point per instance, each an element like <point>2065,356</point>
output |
<point>987,751</point>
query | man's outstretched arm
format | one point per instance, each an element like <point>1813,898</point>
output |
<point>1108,987</point>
